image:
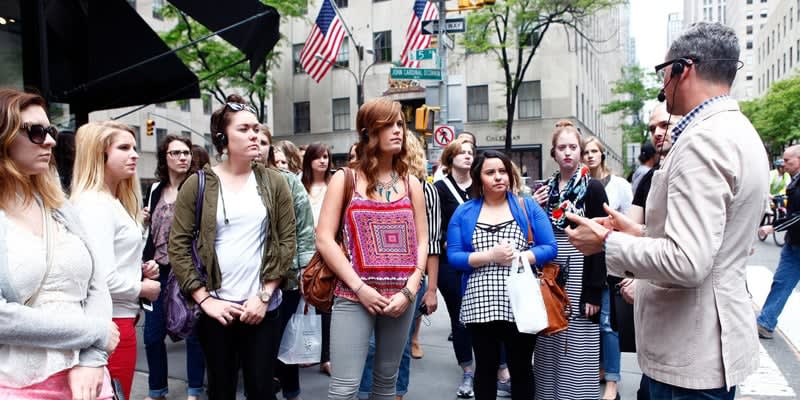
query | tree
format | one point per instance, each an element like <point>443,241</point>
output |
<point>632,91</point>
<point>513,30</point>
<point>776,116</point>
<point>227,64</point>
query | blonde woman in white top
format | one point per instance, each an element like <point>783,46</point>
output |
<point>106,193</point>
<point>55,313</point>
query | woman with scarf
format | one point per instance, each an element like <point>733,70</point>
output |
<point>566,364</point>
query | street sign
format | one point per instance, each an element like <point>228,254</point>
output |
<point>423,54</point>
<point>451,25</point>
<point>448,41</point>
<point>416,73</point>
<point>444,134</point>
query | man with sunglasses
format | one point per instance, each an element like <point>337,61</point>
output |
<point>695,327</point>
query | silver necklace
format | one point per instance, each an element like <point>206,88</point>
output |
<point>387,187</point>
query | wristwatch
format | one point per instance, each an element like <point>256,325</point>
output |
<point>264,296</point>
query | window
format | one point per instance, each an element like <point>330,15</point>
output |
<point>749,15</point>
<point>530,99</point>
<point>791,57</point>
<point>206,104</point>
<point>186,134</point>
<point>184,105</point>
<point>749,1</point>
<point>158,5</point>
<point>341,114</point>
<point>302,117</point>
<point>784,26</point>
<point>763,13</point>
<point>296,49</point>
<point>478,103</point>
<point>132,3</point>
<point>343,59</point>
<point>138,133</point>
<point>341,3</point>
<point>749,77</point>
<point>161,133</point>
<point>382,42</point>
<point>161,105</point>
<point>208,143</point>
<point>749,29</point>
<point>749,44</point>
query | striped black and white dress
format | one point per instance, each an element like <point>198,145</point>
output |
<point>566,365</point>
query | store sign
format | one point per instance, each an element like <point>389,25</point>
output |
<point>500,138</point>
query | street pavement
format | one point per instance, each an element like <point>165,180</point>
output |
<point>436,375</point>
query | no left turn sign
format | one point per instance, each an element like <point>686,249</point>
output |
<point>444,134</point>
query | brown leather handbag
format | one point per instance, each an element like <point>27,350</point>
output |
<point>556,301</point>
<point>318,280</point>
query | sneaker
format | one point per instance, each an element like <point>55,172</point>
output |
<point>450,337</point>
<point>764,333</point>
<point>465,388</point>
<point>504,388</point>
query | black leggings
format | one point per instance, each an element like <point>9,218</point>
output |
<point>487,339</point>
<point>253,347</point>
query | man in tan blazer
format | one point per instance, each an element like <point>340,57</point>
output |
<point>695,325</point>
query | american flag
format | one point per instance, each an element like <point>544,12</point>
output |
<point>325,40</point>
<point>424,10</point>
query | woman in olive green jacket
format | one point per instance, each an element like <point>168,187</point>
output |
<point>247,244</point>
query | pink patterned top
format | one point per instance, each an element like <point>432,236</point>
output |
<point>382,241</point>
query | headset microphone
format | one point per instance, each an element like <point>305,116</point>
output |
<point>661,95</point>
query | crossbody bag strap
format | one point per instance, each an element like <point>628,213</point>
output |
<point>48,249</point>
<point>453,190</point>
<point>198,216</point>
<point>349,187</point>
<point>530,230</point>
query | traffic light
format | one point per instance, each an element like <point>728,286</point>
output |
<point>465,3</point>
<point>425,119</point>
<point>151,126</point>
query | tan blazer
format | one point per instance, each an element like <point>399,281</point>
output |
<point>695,325</point>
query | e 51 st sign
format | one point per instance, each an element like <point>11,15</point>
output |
<point>423,54</point>
<point>416,73</point>
<point>451,25</point>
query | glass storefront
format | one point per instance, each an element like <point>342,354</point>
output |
<point>10,45</point>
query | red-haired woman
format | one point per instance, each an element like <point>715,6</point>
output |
<point>385,231</point>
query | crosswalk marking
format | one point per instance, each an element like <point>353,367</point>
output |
<point>767,380</point>
<point>759,280</point>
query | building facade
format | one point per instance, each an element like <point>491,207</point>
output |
<point>569,78</point>
<point>705,10</point>
<point>674,27</point>
<point>748,18</point>
<point>778,45</point>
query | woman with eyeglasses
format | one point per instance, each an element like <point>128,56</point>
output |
<point>105,190</point>
<point>385,231</point>
<point>174,164</point>
<point>246,243</point>
<point>57,331</point>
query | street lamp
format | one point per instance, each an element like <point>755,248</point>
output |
<point>358,77</point>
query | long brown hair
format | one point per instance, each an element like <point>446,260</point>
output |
<point>373,116</point>
<point>12,180</point>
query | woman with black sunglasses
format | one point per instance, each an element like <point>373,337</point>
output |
<point>57,330</point>
<point>247,243</point>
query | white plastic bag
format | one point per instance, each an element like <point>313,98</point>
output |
<point>525,293</point>
<point>302,340</point>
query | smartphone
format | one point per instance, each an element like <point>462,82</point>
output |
<point>538,183</point>
<point>422,310</point>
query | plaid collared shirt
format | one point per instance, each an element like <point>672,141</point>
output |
<point>688,118</point>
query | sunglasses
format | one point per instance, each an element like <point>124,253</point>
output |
<point>37,133</point>
<point>179,153</point>
<point>240,107</point>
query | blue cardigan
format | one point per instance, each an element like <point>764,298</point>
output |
<point>462,226</point>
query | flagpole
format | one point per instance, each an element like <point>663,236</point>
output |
<point>346,28</point>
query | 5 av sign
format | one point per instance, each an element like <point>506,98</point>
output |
<point>452,25</point>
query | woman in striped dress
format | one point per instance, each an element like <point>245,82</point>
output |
<point>566,365</point>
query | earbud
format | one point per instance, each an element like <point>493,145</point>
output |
<point>223,139</point>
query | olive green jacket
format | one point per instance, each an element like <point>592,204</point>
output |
<point>305,226</point>
<point>280,247</point>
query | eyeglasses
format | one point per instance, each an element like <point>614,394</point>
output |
<point>179,153</point>
<point>37,133</point>
<point>660,67</point>
<point>241,107</point>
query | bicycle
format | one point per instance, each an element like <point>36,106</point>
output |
<point>778,211</point>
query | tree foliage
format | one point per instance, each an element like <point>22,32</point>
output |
<point>776,115</point>
<point>513,30</point>
<point>231,74</point>
<point>632,91</point>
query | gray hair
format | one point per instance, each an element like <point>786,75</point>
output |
<point>707,42</point>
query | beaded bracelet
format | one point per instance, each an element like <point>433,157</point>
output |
<point>407,292</point>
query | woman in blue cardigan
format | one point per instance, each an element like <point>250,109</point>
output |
<point>483,235</point>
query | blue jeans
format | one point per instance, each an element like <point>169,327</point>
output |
<point>155,332</point>
<point>783,282</point>
<point>663,391</point>
<point>404,373</point>
<point>609,340</point>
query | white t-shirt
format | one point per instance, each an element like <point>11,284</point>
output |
<point>619,194</point>
<point>240,242</point>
